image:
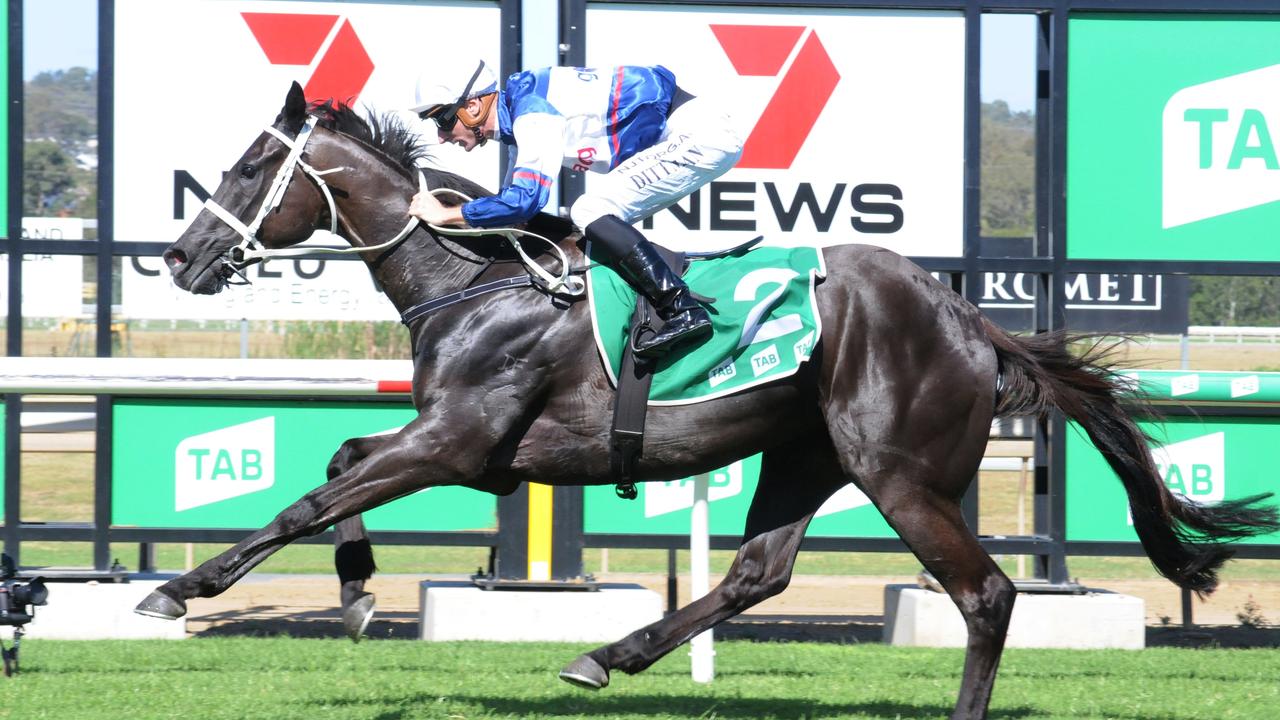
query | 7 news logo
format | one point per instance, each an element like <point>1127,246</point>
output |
<point>326,43</point>
<point>807,80</point>
<point>803,91</point>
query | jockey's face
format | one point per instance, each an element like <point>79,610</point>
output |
<point>463,136</point>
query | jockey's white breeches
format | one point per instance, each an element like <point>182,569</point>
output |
<point>698,145</point>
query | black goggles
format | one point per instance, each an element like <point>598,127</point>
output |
<point>446,116</point>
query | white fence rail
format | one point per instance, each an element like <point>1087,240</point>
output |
<point>1220,333</point>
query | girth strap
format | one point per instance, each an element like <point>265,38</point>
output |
<point>417,311</point>
<point>631,404</point>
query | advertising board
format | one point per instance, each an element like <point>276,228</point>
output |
<point>197,80</point>
<point>1205,459</point>
<point>853,120</point>
<point>1098,302</point>
<point>52,285</point>
<point>182,463</point>
<point>1171,134</point>
<point>664,508</point>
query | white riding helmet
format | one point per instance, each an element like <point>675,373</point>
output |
<point>457,83</point>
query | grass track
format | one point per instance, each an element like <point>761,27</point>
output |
<point>281,678</point>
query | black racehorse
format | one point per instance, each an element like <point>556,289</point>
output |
<point>898,399</point>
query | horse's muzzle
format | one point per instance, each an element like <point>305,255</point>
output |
<point>175,259</point>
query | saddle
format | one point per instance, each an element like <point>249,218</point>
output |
<point>635,378</point>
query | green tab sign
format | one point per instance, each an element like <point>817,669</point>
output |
<point>664,508</point>
<point>1207,460</point>
<point>1173,128</point>
<point>1207,387</point>
<point>237,463</point>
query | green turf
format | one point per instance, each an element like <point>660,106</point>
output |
<point>279,678</point>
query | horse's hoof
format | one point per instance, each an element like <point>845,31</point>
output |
<point>585,672</point>
<point>356,616</point>
<point>159,605</point>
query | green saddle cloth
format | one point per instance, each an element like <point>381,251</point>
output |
<point>764,320</point>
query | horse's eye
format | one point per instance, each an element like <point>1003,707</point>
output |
<point>247,171</point>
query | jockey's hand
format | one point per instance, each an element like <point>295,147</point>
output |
<point>427,208</point>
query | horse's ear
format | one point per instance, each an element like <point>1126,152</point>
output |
<point>294,112</point>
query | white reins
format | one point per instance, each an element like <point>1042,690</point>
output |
<point>566,284</point>
<point>250,249</point>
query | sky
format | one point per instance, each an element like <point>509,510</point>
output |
<point>61,34</point>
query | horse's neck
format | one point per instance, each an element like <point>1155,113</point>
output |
<point>418,267</point>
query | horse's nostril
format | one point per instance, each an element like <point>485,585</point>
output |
<point>174,258</point>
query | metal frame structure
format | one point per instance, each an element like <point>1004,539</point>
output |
<point>1048,262</point>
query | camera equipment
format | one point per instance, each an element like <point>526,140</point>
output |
<point>17,608</point>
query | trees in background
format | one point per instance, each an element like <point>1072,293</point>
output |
<point>60,127</point>
<point>1008,196</point>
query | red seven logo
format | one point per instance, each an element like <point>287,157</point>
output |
<point>761,50</point>
<point>290,39</point>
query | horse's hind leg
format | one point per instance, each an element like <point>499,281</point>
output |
<point>794,482</point>
<point>916,475</point>
<point>933,527</point>
<point>352,552</point>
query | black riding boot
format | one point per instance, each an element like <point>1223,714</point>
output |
<point>639,263</point>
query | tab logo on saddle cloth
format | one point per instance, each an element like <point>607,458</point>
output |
<point>225,463</point>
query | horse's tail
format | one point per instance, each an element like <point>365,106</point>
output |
<point>1185,540</point>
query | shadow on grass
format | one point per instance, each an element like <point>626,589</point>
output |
<point>667,705</point>
<point>272,621</point>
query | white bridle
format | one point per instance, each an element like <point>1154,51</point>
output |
<point>249,248</point>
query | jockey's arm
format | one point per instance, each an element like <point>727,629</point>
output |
<point>539,151</point>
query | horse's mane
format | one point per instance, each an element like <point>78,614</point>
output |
<point>387,134</point>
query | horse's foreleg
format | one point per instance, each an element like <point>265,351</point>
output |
<point>396,468</point>
<point>352,552</point>
<point>794,482</point>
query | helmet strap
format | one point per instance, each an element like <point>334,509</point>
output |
<point>476,122</point>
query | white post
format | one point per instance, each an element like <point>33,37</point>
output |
<point>700,647</point>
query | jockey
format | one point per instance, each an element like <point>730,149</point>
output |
<point>653,142</point>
